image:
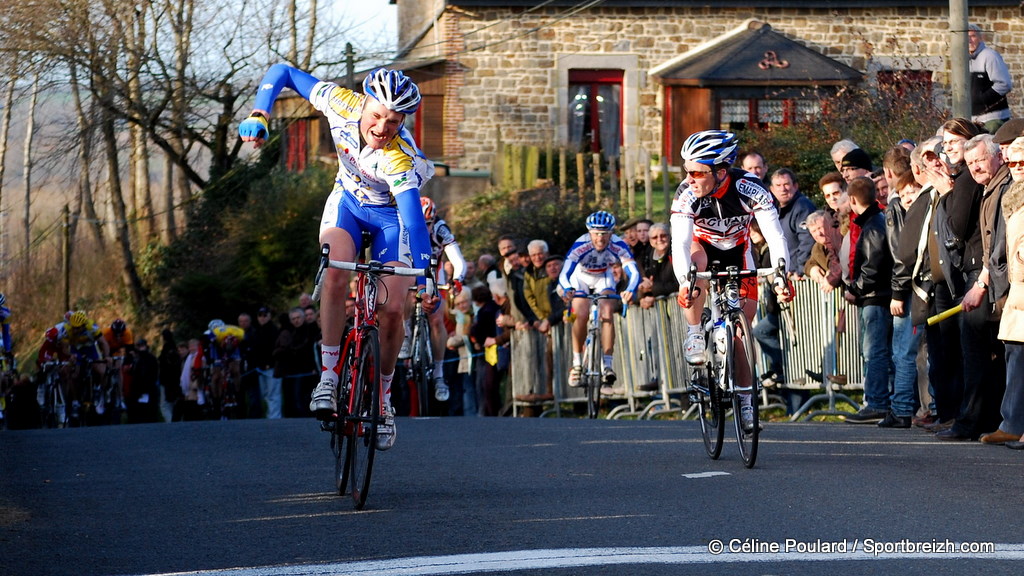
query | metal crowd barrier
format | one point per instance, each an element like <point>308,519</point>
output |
<point>819,333</point>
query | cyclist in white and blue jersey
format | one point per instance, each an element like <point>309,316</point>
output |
<point>588,268</point>
<point>376,190</point>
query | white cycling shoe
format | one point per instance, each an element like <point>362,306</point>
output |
<point>440,389</point>
<point>387,431</point>
<point>322,403</point>
<point>694,348</point>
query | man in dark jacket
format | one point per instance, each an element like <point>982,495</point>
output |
<point>144,400</point>
<point>869,287</point>
<point>794,208</point>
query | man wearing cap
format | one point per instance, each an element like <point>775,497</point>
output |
<point>1007,133</point>
<point>990,82</point>
<point>855,163</point>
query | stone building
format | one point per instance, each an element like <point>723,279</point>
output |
<point>602,75</point>
<point>517,71</point>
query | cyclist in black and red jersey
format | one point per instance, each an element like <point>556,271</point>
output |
<point>710,220</point>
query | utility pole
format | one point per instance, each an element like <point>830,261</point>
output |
<point>350,66</point>
<point>959,61</point>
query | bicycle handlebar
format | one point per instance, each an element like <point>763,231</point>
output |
<point>372,267</point>
<point>732,272</point>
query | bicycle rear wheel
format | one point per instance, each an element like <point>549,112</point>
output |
<point>422,365</point>
<point>365,417</point>
<point>744,385</point>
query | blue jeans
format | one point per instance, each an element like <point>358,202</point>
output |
<point>469,403</point>
<point>1013,399</point>
<point>767,335</point>
<point>905,341</point>
<point>270,390</point>
<point>876,350</point>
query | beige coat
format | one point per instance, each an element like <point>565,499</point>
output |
<point>1011,326</point>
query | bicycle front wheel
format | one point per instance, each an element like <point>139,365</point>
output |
<point>744,386</point>
<point>365,417</point>
<point>340,446</point>
<point>710,405</point>
<point>592,379</point>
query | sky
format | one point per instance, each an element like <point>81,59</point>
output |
<point>369,16</point>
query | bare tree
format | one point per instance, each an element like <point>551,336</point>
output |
<point>30,132</point>
<point>84,202</point>
<point>5,130</point>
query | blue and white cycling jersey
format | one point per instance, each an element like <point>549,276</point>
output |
<point>587,263</point>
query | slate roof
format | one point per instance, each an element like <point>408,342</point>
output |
<point>754,55</point>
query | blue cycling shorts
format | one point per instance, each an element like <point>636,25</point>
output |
<point>390,239</point>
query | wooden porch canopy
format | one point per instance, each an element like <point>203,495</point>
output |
<point>754,55</point>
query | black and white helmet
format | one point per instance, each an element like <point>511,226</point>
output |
<point>393,89</point>
<point>711,148</point>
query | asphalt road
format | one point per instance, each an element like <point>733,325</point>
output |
<point>523,496</point>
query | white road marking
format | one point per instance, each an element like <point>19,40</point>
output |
<point>577,557</point>
<point>711,474</point>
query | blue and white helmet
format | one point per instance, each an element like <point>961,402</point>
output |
<point>214,324</point>
<point>393,89</point>
<point>3,299</point>
<point>711,148</point>
<point>601,221</point>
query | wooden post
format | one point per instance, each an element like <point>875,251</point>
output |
<point>597,177</point>
<point>532,166</point>
<point>549,161</point>
<point>563,174</point>
<point>664,186</point>
<point>628,170</point>
<point>648,186</point>
<point>581,175</point>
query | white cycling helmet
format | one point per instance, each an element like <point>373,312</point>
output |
<point>214,324</point>
<point>393,89</point>
<point>711,148</point>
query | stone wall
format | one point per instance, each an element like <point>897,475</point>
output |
<point>511,66</point>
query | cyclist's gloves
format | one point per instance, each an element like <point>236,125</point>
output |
<point>255,126</point>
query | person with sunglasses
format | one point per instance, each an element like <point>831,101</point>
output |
<point>710,221</point>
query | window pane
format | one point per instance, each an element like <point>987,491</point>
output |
<point>770,111</point>
<point>807,110</point>
<point>735,112</point>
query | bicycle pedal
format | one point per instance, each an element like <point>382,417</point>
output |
<point>328,426</point>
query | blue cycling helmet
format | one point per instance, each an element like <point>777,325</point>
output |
<point>601,221</point>
<point>214,324</point>
<point>3,299</point>
<point>711,148</point>
<point>393,89</point>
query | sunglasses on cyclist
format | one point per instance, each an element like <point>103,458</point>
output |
<point>698,174</point>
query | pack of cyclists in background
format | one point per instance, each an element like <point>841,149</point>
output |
<point>442,243</point>
<point>221,346</point>
<point>376,191</point>
<point>588,269</point>
<point>710,221</point>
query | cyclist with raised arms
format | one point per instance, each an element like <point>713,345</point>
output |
<point>588,267</point>
<point>710,221</point>
<point>376,191</point>
<point>441,240</point>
